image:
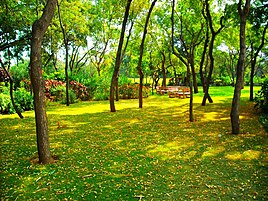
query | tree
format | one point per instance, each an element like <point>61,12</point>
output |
<point>11,89</point>
<point>139,67</point>
<point>206,79</point>
<point>15,29</point>
<point>39,29</point>
<point>189,81</point>
<point>118,56</point>
<point>103,31</point>
<point>243,13</point>
<point>74,27</point>
<point>124,54</point>
<point>66,45</point>
<point>189,35</point>
<point>256,37</point>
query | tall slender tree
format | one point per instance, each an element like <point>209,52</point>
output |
<point>139,67</point>
<point>243,11</point>
<point>186,63</point>
<point>11,90</point>
<point>39,29</point>
<point>206,80</point>
<point>254,53</point>
<point>258,19</point>
<point>118,57</point>
<point>66,45</point>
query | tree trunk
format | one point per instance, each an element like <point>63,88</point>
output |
<point>251,82</point>
<point>38,31</point>
<point>253,61</point>
<point>117,89</point>
<point>193,75</point>
<point>189,83</point>
<point>164,83</point>
<point>139,67</point>
<point>206,43</point>
<point>65,40</point>
<point>207,79</point>
<point>11,91</point>
<point>121,60</point>
<point>118,57</point>
<point>66,74</point>
<point>240,67</point>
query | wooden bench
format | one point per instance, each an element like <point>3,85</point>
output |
<point>174,91</point>
<point>161,90</point>
<point>184,92</point>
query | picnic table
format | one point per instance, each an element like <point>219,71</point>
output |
<point>174,91</point>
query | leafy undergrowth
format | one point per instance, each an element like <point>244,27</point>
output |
<point>153,152</point>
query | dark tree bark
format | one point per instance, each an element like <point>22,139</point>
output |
<point>164,83</point>
<point>66,45</point>
<point>243,13</point>
<point>11,90</point>
<point>202,76</point>
<point>253,61</point>
<point>118,57</point>
<point>122,58</point>
<point>38,31</point>
<point>190,84</point>
<point>195,86</point>
<point>139,67</point>
<point>207,79</point>
<point>186,54</point>
<point>188,80</point>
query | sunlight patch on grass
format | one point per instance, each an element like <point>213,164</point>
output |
<point>170,150</point>
<point>187,155</point>
<point>213,151</point>
<point>225,118</point>
<point>108,126</point>
<point>15,127</point>
<point>56,144</point>
<point>117,141</point>
<point>210,116</point>
<point>189,130</point>
<point>246,155</point>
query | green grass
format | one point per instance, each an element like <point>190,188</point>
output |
<point>154,152</point>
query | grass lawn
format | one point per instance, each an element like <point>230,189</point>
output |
<point>153,152</point>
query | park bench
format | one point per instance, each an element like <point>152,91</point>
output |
<point>161,90</point>
<point>183,92</point>
<point>174,91</point>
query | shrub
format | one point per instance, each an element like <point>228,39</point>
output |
<point>81,90</point>
<point>23,99</point>
<point>128,91</point>
<point>57,88</point>
<point>102,91</point>
<point>261,98</point>
<point>49,88</point>
<point>131,91</point>
<point>6,105</point>
<point>222,81</point>
<point>72,97</point>
<point>264,121</point>
<point>3,76</point>
<point>57,75</point>
<point>20,72</point>
<point>58,93</point>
